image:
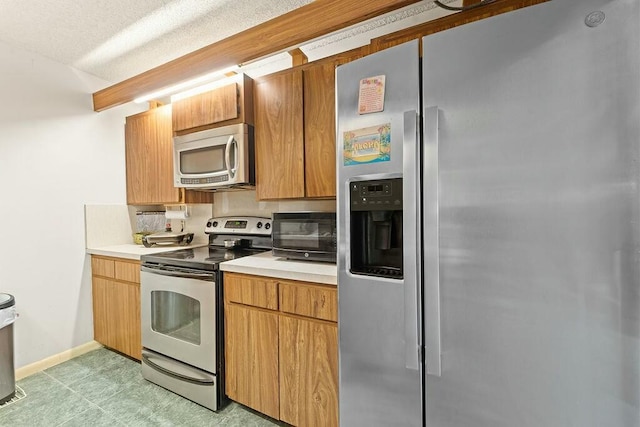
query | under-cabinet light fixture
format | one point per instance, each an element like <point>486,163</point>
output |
<point>186,85</point>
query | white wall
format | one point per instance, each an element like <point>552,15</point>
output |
<point>56,154</point>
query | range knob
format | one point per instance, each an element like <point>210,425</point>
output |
<point>215,224</point>
<point>259,224</point>
<point>208,223</point>
<point>267,226</point>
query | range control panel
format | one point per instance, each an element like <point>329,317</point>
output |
<point>240,225</point>
<point>376,195</point>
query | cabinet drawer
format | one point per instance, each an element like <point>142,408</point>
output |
<point>320,302</point>
<point>251,290</point>
<point>102,267</point>
<point>127,271</point>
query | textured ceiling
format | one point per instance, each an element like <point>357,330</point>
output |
<point>118,39</point>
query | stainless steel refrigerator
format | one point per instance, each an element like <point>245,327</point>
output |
<point>489,223</point>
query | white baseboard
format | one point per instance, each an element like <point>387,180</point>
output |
<point>56,359</point>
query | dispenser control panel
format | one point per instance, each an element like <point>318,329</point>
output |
<point>380,194</point>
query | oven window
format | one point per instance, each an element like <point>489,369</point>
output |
<point>204,160</point>
<point>176,315</point>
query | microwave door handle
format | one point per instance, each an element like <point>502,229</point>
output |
<point>227,157</point>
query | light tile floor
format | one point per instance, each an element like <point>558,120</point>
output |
<point>104,388</point>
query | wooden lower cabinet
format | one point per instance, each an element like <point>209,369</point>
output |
<point>116,304</point>
<point>251,358</point>
<point>282,360</point>
<point>308,372</point>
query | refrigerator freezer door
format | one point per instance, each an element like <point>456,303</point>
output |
<point>537,217</point>
<point>379,327</point>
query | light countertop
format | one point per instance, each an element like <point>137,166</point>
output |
<point>133,251</point>
<point>265,264</point>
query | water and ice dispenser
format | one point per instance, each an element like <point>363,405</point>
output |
<point>376,228</point>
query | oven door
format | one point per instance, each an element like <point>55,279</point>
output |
<point>178,314</point>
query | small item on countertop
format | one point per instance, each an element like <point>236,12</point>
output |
<point>167,238</point>
<point>149,221</point>
<point>137,237</point>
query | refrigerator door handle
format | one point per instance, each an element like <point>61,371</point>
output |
<point>431,248</point>
<point>411,242</point>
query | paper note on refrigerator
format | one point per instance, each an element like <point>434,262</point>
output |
<point>367,145</point>
<point>371,95</point>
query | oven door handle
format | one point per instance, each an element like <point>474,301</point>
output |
<point>181,274</point>
<point>198,381</point>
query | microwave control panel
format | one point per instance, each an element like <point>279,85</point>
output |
<point>376,195</point>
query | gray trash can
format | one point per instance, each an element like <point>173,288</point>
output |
<point>7,371</point>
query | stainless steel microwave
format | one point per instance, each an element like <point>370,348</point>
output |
<point>309,236</point>
<point>215,158</point>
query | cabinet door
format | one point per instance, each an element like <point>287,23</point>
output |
<point>320,130</point>
<point>149,158</point>
<point>116,315</point>
<point>251,358</point>
<point>320,125</point>
<point>102,312</point>
<point>126,303</point>
<point>308,372</point>
<point>279,136</point>
<point>211,107</point>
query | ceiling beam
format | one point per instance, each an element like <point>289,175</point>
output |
<point>301,25</point>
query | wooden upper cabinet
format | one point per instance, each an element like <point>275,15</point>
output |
<point>149,158</point>
<point>226,105</point>
<point>320,130</point>
<point>279,135</point>
<point>296,131</point>
<point>320,125</point>
<point>149,161</point>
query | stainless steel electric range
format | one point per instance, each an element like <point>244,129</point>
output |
<point>182,309</point>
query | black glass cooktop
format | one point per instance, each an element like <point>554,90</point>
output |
<point>203,258</point>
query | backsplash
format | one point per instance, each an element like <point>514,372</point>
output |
<point>107,225</point>
<point>244,203</point>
